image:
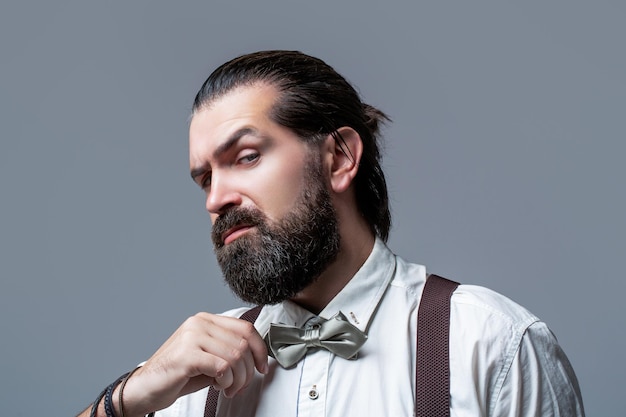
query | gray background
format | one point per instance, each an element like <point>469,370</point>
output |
<point>505,165</point>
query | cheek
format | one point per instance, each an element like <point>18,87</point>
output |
<point>281,187</point>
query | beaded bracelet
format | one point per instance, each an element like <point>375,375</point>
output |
<point>108,398</point>
<point>108,406</point>
<point>94,407</point>
<point>107,394</point>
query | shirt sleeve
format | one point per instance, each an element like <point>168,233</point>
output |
<point>540,380</point>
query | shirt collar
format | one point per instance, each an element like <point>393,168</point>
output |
<point>359,299</point>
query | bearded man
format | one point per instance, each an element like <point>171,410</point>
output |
<point>288,157</point>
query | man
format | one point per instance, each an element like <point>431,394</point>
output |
<point>287,155</point>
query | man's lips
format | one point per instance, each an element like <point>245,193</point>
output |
<point>234,232</point>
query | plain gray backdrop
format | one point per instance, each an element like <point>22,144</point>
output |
<point>505,162</point>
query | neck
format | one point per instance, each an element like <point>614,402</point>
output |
<point>355,249</point>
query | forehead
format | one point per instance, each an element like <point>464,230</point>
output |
<point>243,99</point>
<point>247,102</point>
<point>244,107</point>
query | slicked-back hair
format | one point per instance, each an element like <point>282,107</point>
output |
<point>314,101</point>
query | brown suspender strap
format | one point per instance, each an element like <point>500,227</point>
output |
<point>432,369</point>
<point>432,373</point>
<point>210,408</point>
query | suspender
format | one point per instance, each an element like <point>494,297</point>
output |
<point>432,369</point>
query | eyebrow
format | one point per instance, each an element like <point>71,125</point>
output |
<point>223,148</point>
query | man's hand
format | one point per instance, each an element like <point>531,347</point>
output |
<point>206,349</point>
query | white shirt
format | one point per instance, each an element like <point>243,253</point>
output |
<point>503,360</point>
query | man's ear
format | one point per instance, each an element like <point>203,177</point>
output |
<point>343,154</point>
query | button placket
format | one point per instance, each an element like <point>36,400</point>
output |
<point>313,394</point>
<point>313,383</point>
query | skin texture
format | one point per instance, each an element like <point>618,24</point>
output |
<point>234,177</point>
<point>241,158</point>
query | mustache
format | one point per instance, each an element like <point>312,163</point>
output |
<point>232,218</point>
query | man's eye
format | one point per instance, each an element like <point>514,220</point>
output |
<point>251,157</point>
<point>206,181</point>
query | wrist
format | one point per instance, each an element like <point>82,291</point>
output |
<point>112,401</point>
<point>128,404</point>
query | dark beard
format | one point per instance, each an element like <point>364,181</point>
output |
<point>272,263</point>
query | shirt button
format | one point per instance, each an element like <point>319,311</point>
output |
<point>313,394</point>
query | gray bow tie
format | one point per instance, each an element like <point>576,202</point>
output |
<point>288,344</point>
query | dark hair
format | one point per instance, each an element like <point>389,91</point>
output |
<point>314,102</point>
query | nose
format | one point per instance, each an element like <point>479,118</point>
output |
<point>221,196</point>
